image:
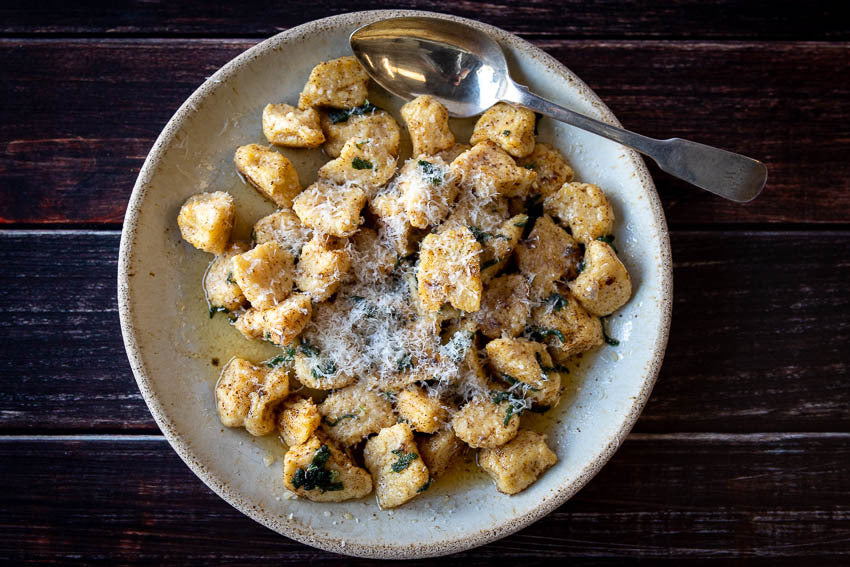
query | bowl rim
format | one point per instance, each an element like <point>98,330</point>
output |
<point>182,446</point>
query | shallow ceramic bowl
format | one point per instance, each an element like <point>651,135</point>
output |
<point>176,350</point>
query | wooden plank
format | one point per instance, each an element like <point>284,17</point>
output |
<point>690,498</point>
<point>74,155</point>
<point>599,18</point>
<point>758,341</point>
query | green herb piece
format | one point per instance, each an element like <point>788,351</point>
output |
<point>425,486</point>
<point>548,369</point>
<point>324,369</point>
<point>506,132</point>
<point>254,235</point>
<point>214,310</point>
<point>389,396</point>
<point>404,459</point>
<point>521,224</point>
<point>489,263</point>
<point>404,363</point>
<point>540,333</point>
<point>499,397</point>
<point>479,234</point>
<point>531,166</point>
<point>609,240</point>
<point>482,236</point>
<point>332,423</point>
<point>361,302</point>
<point>557,301</point>
<point>230,278</point>
<point>609,340</point>
<point>307,349</point>
<point>316,475</point>
<point>509,413</point>
<point>337,116</point>
<point>358,163</point>
<point>282,359</point>
<point>511,380</point>
<point>581,266</point>
<point>430,172</point>
<point>342,115</point>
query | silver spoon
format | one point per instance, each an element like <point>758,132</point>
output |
<point>465,69</point>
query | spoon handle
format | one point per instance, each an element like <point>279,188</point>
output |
<point>723,173</point>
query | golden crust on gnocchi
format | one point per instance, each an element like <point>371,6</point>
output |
<point>421,306</point>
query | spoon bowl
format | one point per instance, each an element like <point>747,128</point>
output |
<point>465,69</point>
<point>461,67</point>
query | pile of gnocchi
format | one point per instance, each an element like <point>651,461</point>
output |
<point>422,309</point>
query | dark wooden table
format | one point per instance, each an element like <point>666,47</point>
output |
<point>742,453</point>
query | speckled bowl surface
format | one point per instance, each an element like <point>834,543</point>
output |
<point>177,351</point>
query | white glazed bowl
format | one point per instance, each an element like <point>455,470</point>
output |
<point>171,341</point>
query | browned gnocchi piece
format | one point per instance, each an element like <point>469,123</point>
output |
<point>488,170</point>
<point>604,285</point>
<point>363,162</point>
<point>499,245</point>
<point>483,423</point>
<point>427,190</point>
<point>318,371</point>
<point>579,330</point>
<point>377,126</point>
<point>331,209</point>
<point>509,126</point>
<point>584,208</point>
<point>221,290</point>
<point>247,394</point>
<point>439,450</point>
<point>285,125</point>
<point>338,83</point>
<point>548,255</point>
<point>298,419</point>
<point>505,306</point>
<point>269,172</point>
<point>205,221</point>
<point>424,413</point>
<point>319,470</point>
<point>516,465</point>
<point>550,166</point>
<point>449,270</point>
<point>398,470</point>
<point>353,413</point>
<point>529,363</point>
<point>321,267</point>
<point>285,227</point>
<point>283,323</point>
<point>427,122</point>
<point>264,274</point>
<point>393,222</point>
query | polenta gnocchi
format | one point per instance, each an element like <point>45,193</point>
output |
<point>423,305</point>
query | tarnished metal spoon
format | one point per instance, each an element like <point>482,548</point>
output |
<point>465,69</point>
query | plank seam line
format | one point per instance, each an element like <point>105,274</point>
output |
<point>764,229</point>
<point>728,437</point>
<point>59,231</point>
<point>839,41</point>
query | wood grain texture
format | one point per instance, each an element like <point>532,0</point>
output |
<point>758,341</point>
<point>70,153</point>
<point>574,18</point>
<point>721,497</point>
